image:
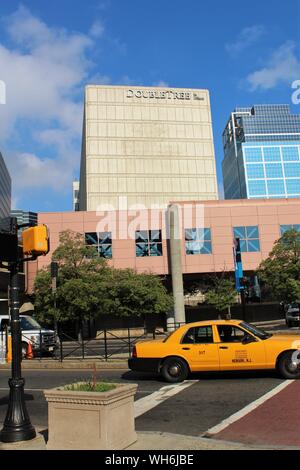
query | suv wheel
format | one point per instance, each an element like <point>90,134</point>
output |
<point>174,370</point>
<point>288,366</point>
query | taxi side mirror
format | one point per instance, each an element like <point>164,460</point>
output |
<point>248,339</point>
<point>36,240</point>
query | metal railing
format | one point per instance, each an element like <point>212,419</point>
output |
<point>108,344</point>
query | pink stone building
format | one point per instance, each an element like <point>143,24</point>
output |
<point>138,239</point>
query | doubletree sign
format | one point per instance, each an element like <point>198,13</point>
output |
<point>8,242</point>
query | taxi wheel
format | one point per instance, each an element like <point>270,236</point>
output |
<point>289,367</point>
<point>174,370</point>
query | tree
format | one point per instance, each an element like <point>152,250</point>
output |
<point>88,287</point>
<point>223,295</point>
<point>281,270</point>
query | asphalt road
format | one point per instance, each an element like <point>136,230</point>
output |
<point>210,399</point>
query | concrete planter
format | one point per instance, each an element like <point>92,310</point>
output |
<point>91,420</point>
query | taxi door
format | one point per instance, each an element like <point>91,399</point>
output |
<point>234,354</point>
<point>197,346</point>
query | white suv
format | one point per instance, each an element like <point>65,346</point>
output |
<point>41,339</point>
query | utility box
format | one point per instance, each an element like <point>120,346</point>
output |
<point>36,240</point>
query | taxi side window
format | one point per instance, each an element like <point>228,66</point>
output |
<point>230,334</point>
<point>199,335</point>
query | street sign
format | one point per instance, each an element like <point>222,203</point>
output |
<point>238,264</point>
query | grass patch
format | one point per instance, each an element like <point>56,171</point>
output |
<point>90,387</point>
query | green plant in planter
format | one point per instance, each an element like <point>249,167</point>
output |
<point>90,387</point>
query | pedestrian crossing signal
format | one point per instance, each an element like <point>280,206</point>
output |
<point>36,241</point>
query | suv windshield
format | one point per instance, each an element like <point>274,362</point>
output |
<point>255,331</point>
<point>28,323</point>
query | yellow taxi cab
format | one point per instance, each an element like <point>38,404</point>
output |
<point>219,345</point>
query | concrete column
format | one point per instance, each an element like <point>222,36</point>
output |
<point>175,234</point>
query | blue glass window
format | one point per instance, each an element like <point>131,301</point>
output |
<point>253,154</point>
<point>101,243</point>
<point>292,170</point>
<point>198,241</point>
<point>274,170</point>
<point>272,154</point>
<point>148,243</point>
<point>255,171</point>
<point>290,154</point>
<point>276,187</point>
<point>285,228</point>
<point>293,186</point>
<point>257,188</point>
<point>249,238</point>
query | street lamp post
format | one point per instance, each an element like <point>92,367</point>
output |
<point>17,426</point>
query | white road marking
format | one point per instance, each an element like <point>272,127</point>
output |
<point>247,409</point>
<point>145,404</point>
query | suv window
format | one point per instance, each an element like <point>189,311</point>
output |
<point>198,335</point>
<point>230,334</point>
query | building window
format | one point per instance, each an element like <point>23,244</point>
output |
<point>249,238</point>
<point>293,187</point>
<point>148,243</point>
<point>101,242</point>
<point>276,187</point>
<point>285,228</point>
<point>272,154</point>
<point>257,188</point>
<point>290,154</point>
<point>198,241</point>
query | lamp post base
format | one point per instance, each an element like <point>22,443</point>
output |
<point>17,426</point>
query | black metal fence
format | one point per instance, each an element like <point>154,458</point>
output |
<point>108,344</point>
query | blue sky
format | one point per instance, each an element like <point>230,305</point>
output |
<point>244,52</point>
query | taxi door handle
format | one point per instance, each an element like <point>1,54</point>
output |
<point>186,349</point>
<point>223,347</point>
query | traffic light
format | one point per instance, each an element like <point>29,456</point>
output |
<point>36,240</point>
<point>54,269</point>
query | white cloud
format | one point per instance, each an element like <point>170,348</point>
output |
<point>161,83</point>
<point>247,37</point>
<point>44,71</point>
<point>282,67</point>
<point>97,29</point>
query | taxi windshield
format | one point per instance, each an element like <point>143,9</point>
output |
<point>261,334</point>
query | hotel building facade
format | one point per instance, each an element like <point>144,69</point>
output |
<point>146,146</point>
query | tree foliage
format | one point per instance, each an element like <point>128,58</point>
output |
<point>223,295</point>
<point>281,270</point>
<point>88,287</point>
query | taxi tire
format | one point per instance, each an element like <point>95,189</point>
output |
<point>183,370</point>
<point>282,366</point>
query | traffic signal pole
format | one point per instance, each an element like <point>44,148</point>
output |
<point>17,426</point>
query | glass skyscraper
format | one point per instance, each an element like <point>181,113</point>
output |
<point>262,153</point>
